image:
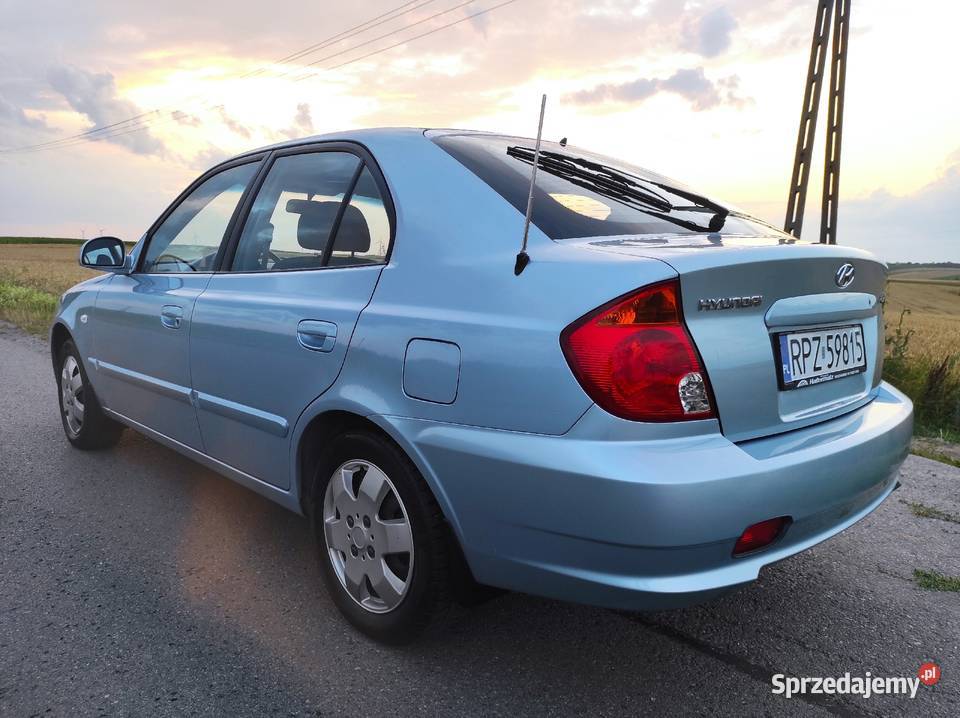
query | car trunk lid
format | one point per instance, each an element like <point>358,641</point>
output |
<point>739,294</point>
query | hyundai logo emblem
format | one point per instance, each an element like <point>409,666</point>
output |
<point>844,276</point>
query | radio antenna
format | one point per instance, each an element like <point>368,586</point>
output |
<point>523,259</point>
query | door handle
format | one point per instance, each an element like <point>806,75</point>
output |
<point>316,335</point>
<point>171,316</point>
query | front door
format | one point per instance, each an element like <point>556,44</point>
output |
<point>142,320</point>
<point>271,331</point>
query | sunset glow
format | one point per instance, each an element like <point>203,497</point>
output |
<point>705,92</point>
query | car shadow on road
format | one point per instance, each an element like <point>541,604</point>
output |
<point>250,567</point>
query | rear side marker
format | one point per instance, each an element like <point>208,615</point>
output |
<point>760,535</point>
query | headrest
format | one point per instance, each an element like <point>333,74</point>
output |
<point>316,220</point>
<point>354,234</point>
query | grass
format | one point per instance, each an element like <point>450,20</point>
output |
<point>923,353</point>
<point>27,308</point>
<point>47,268</point>
<point>934,581</point>
<point>933,315</point>
<point>32,278</point>
<point>929,512</point>
<point>920,449</point>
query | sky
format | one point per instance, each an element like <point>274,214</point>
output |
<point>706,92</point>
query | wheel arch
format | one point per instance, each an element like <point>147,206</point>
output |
<point>313,440</point>
<point>313,443</point>
<point>59,333</point>
<point>319,427</point>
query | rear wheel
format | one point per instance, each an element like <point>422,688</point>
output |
<point>382,539</point>
<point>84,421</point>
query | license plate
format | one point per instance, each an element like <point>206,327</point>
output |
<point>820,355</point>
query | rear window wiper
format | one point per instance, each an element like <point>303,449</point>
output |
<point>613,184</point>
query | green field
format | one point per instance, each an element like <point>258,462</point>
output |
<point>923,352</point>
<point>923,346</point>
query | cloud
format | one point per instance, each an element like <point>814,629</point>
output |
<point>694,86</point>
<point>238,128</point>
<point>479,73</point>
<point>691,84</point>
<point>920,226</point>
<point>303,120</point>
<point>10,114</point>
<point>209,157</point>
<point>95,95</point>
<point>633,91</point>
<point>709,35</point>
<point>302,125</point>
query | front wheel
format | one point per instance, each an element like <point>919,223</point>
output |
<point>84,421</point>
<point>382,539</point>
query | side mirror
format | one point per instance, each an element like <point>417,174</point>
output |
<point>106,254</point>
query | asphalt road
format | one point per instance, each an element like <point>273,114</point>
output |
<point>134,582</point>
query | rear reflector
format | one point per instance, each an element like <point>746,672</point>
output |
<point>759,535</point>
<point>635,358</point>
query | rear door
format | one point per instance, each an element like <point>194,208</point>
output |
<point>142,320</point>
<point>271,330</point>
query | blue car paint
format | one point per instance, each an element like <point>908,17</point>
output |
<point>431,370</point>
<point>253,320</point>
<point>546,492</point>
<point>597,517</point>
<point>151,387</point>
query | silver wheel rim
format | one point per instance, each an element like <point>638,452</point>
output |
<point>72,396</point>
<point>368,537</point>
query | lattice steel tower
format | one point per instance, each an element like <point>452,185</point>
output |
<point>840,12</point>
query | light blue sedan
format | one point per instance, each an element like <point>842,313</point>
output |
<point>670,396</point>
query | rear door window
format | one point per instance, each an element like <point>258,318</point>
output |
<point>315,209</point>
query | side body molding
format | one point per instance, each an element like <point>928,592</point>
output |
<point>165,388</point>
<point>263,420</point>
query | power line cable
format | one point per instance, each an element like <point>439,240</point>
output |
<point>177,114</point>
<point>370,24</point>
<point>143,118</point>
<point>416,37</point>
<point>385,35</point>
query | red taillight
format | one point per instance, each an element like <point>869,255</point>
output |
<point>759,535</point>
<point>635,358</point>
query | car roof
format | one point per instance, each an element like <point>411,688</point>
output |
<point>363,136</point>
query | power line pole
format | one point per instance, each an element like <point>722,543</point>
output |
<point>839,10</point>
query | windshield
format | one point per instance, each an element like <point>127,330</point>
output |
<point>583,194</point>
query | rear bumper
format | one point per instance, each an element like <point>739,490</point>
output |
<point>651,524</point>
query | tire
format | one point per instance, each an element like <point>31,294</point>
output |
<point>389,593</point>
<point>84,421</point>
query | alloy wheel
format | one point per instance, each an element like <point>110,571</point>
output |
<point>72,395</point>
<point>368,536</point>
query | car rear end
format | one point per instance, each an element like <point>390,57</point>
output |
<point>738,414</point>
<point>793,437</point>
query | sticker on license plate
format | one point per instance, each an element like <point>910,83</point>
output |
<point>820,355</point>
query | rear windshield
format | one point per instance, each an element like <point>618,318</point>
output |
<point>583,194</point>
